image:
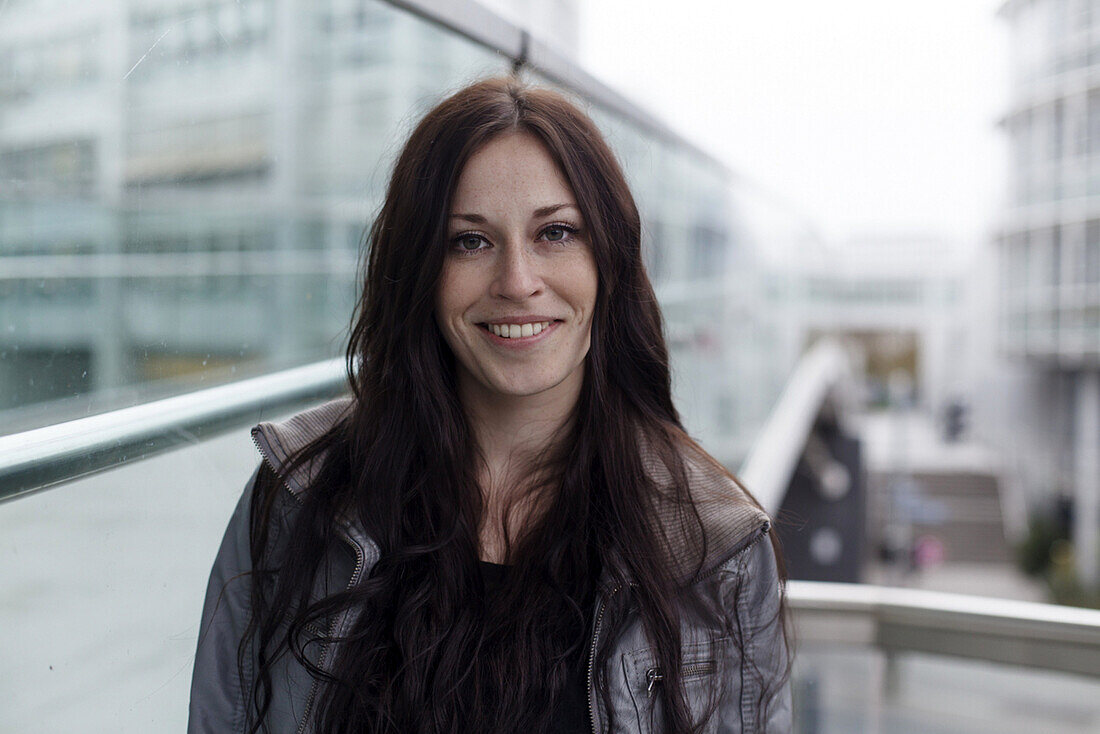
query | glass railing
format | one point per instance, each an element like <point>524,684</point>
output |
<point>900,661</point>
<point>101,587</point>
<point>199,216</point>
<point>102,590</point>
<point>103,578</point>
<point>44,457</point>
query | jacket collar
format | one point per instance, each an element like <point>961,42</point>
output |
<point>279,440</point>
<point>729,518</point>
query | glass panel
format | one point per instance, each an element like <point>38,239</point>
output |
<point>194,215</point>
<point>103,584</point>
<point>700,233</point>
<point>726,380</point>
<point>1092,253</point>
<point>841,689</point>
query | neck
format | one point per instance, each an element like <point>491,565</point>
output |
<point>511,430</point>
<point>511,434</point>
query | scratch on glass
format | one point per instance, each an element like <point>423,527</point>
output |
<point>162,35</point>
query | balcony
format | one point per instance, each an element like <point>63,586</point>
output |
<point>104,575</point>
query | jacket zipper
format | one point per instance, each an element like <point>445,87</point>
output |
<point>654,672</point>
<point>331,632</point>
<point>653,676</point>
<point>332,625</point>
<point>600,607</point>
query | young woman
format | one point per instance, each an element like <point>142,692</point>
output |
<point>505,528</point>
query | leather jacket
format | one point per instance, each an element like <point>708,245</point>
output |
<point>738,665</point>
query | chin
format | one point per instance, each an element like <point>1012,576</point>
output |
<point>523,385</point>
<point>525,388</point>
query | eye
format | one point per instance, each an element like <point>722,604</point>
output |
<point>558,232</point>
<point>468,242</point>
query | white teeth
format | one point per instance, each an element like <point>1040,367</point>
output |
<point>515,331</point>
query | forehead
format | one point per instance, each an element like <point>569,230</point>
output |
<point>511,170</point>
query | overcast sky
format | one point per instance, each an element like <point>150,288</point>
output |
<point>874,116</point>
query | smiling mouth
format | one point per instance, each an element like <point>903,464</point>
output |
<point>517,331</point>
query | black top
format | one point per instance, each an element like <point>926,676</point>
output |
<point>571,714</point>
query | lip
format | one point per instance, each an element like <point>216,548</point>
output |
<point>520,341</point>
<point>521,320</point>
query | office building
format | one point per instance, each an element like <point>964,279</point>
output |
<point>1049,247</point>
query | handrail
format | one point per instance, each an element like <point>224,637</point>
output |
<point>768,468</point>
<point>1044,636</point>
<point>1048,636</point>
<point>45,457</point>
<point>481,25</point>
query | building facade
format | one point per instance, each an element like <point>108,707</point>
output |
<point>903,303</point>
<point>1049,245</point>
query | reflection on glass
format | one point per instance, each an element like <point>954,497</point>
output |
<point>194,214</point>
<point>184,188</point>
<point>699,252</point>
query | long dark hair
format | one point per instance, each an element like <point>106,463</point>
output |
<point>427,654</point>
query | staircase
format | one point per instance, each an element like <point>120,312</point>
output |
<point>961,509</point>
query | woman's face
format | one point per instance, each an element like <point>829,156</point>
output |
<point>519,280</point>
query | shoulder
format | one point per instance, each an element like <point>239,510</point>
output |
<point>723,518</point>
<point>280,441</point>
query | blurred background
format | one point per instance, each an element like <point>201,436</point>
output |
<point>874,230</point>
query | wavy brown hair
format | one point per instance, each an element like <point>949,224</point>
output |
<point>428,654</point>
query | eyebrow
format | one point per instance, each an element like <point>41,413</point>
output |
<point>542,211</point>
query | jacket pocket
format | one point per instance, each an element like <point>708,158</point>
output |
<point>703,665</point>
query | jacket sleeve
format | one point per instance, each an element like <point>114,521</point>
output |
<point>217,697</point>
<point>765,662</point>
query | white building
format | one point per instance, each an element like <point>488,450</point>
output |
<point>1050,260</point>
<point>905,303</point>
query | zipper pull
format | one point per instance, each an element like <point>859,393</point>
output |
<point>653,677</point>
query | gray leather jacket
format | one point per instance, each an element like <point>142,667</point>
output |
<point>730,664</point>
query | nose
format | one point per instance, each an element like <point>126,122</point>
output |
<point>517,275</point>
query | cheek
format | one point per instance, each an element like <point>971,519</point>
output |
<point>588,281</point>
<point>448,297</point>
<point>445,306</point>
<point>461,285</point>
